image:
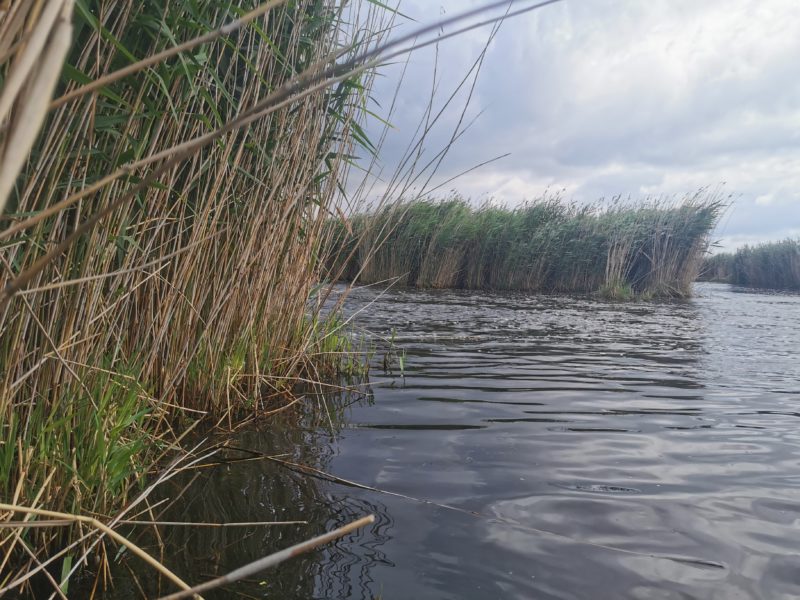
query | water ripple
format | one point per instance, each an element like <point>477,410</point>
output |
<point>657,440</point>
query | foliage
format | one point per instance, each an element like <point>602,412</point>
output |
<point>653,249</point>
<point>188,298</point>
<point>773,265</point>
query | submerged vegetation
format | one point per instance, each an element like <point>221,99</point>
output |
<point>157,249</point>
<point>774,265</point>
<point>654,249</point>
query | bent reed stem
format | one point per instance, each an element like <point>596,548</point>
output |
<point>167,231</point>
<point>273,559</point>
<point>103,528</point>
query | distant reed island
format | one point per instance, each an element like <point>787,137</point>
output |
<point>774,265</point>
<point>654,249</point>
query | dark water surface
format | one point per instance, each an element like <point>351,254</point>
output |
<point>558,448</point>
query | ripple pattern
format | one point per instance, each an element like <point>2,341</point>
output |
<point>647,450</point>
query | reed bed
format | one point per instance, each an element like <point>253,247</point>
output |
<point>164,226</point>
<point>774,265</point>
<point>148,283</point>
<point>646,250</point>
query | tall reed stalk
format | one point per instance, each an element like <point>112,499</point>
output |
<point>164,222</point>
<point>774,265</point>
<point>191,297</point>
<point>652,249</point>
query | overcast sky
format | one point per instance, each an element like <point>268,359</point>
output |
<point>601,98</point>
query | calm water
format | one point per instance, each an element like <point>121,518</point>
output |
<point>551,447</point>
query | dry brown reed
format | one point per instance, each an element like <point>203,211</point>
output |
<point>38,46</point>
<point>191,297</point>
<point>162,234</point>
<point>273,559</point>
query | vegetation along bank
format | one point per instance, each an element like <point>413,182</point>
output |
<point>774,265</point>
<point>647,250</point>
<point>159,246</point>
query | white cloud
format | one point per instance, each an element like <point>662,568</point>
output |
<point>765,199</point>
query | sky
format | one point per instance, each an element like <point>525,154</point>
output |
<point>594,99</point>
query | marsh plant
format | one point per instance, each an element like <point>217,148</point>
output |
<point>653,248</point>
<point>159,246</point>
<point>774,265</point>
<point>164,224</point>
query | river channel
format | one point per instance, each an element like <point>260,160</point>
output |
<point>535,447</point>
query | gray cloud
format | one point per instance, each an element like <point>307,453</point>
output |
<point>624,97</point>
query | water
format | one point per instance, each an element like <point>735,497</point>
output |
<point>544,447</point>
